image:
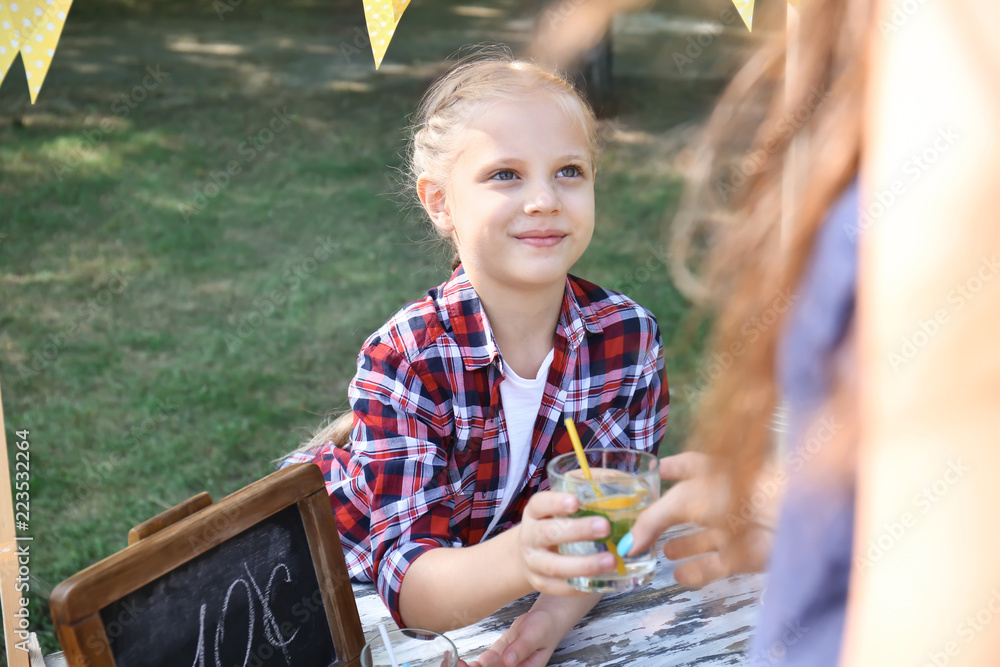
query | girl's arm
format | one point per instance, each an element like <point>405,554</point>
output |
<point>926,584</point>
<point>450,588</point>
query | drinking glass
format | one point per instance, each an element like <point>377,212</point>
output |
<point>412,647</point>
<point>624,483</point>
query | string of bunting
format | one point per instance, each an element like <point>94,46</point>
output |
<point>382,17</point>
<point>31,28</point>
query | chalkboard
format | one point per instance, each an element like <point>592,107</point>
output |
<point>253,600</point>
<point>252,581</point>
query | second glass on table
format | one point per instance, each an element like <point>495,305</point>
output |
<point>410,648</point>
<point>625,482</point>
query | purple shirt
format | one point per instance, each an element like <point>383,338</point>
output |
<point>802,620</point>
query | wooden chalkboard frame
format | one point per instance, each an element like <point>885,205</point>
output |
<point>76,603</point>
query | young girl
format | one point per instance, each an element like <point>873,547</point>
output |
<point>459,399</point>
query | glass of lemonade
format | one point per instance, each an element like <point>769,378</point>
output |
<point>412,648</point>
<point>625,482</point>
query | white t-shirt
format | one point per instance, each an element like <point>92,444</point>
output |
<point>521,399</point>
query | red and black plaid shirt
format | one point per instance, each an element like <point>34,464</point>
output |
<point>429,451</point>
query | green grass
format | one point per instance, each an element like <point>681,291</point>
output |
<point>118,317</point>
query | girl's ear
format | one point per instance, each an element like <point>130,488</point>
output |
<point>433,199</point>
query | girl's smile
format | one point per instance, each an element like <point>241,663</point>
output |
<point>544,238</point>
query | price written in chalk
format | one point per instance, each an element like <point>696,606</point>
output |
<point>274,633</point>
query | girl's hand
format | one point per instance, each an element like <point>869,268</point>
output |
<point>529,642</point>
<point>543,527</point>
<point>701,497</point>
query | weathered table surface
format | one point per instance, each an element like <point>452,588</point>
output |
<point>661,623</point>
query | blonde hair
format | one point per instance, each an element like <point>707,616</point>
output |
<point>489,75</point>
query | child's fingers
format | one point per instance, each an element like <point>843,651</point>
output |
<point>693,544</point>
<point>525,649</point>
<point>546,504</point>
<point>676,506</point>
<point>489,659</point>
<point>700,571</point>
<point>556,568</point>
<point>550,533</point>
<point>683,466</point>
<point>534,658</point>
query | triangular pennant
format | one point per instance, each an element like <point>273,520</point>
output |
<point>398,7</point>
<point>382,20</point>
<point>7,51</point>
<point>32,27</point>
<point>745,8</point>
<point>43,28</point>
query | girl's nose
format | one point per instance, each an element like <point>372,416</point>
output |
<point>542,199</point>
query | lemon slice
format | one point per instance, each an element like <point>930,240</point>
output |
<point>613,503</point>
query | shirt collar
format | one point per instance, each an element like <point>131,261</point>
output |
<point>461,311</point>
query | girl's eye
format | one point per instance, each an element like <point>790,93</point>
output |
<point>504,175</point>
<point>571,171</point>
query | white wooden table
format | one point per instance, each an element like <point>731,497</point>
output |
<point>661,623</point>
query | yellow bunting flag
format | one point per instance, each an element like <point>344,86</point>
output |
<point>745,8</point>
<point>398,7</point>
<point>382,17</point>
<point>32,27</point>
<point>7,52</point>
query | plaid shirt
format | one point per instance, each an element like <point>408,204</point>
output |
<point>428,456</point>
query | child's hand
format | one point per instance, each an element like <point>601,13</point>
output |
<point>701,496</point>
<point>529,642</point>
<point>533,637</point>
<point>543,527</point>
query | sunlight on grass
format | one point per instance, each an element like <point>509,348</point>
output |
<point>216,49</point>
<point>478,12</point>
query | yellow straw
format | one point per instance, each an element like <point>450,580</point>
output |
<point>574,437</point>
<point>581,458</point>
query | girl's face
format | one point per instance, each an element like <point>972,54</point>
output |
<point>520,201</point>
